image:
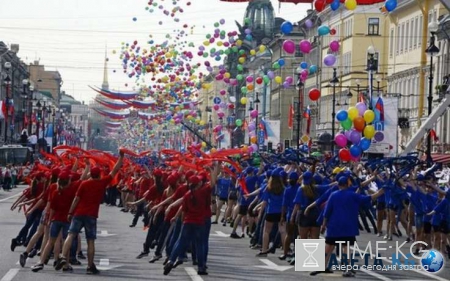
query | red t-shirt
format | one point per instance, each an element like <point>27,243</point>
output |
<point>194,206</point>
<point>61,200</point>
<point>207,191</point>
<point>154,195</point>
<point>179,192</point>
<point>144,185</point>
<point>91,193</point>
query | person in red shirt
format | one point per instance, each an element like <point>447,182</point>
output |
<point>145,182</point>
<point>193,208</point>
<point>84,209</point>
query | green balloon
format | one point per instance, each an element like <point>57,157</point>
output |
<point>227,52</point>
<point>213,50</point>
<point>266,79</point>
<point>244,90</point>
<point>240,67</point>
<point>242,52</point>
<point>346,124</point>
<point>246,20</point>
<point>235,49</point>
<point>238,122</point>
<point>239,77</point>
<point>223,33</point>
<point>276,65</point>
<point>216,24</point>
<point>221,52</point>
<point>205,55</point>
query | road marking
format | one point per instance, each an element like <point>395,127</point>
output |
<point>104,265</point>
<point>273,266</point>
<point>104,262</point>
<point>10,274</point>
<point>220,234</point>
<point>193,274</point>
<point>104,233</point>
<point>10,197</point>
<point>371,273</point>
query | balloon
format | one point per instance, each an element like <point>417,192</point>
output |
<point>243,100</point>
<point>216,107</point>
<point>361,108</point>
<point>305,46</point>
<point>344,155</point>
<point>203,144</point>
<point>250,87</point>
<point>249,79</point>
<point>255,147</point>
<point>254,113</point>
<point>335,5</point>
<point>259,80</point>
<point>365,144</point>
<point>238,122</point>
<point>369,131</point>
<point>323,30</point>
<point>359,124</point>
<point>369,116</point>
<point>271,74</point>
<point>355,150</point>
<point>329,60</point>
<point>217,100</point>
<point>309,23</point>
<point>332,31</point>
<point>266,79</point>
<point>278,79</point>
<point>289,79</point>
<point>334,45</point>
<point>276,65</point>
<point>262,48</point>
<point>286,27</point>
<point>346,124</point>
<point>352,113</point>
<point>319,5</point>
<point>341,115</point>
<point>379,136</point>
<point>340,140</point>
<point>281,62</point>
<point>253,139</point>
<point>304,65</point>
<point>312,69</point>
<point>244,90</point>
<point>314,94</point>
<point>390,5</point>
<point>350,4</point>
<point>289,46</point>
<point>355,137</point>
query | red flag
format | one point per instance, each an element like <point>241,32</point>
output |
<point>291,117</point>
<point>434,135</point>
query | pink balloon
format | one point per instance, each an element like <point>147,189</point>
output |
<point>305,46</point>
<point>216,107</point>
<point>254,113</point>
<point>249,79</point>
<point>334,46</point>
<point>223,92</point>
<point>289,46</point>
<point>220,114</point>
<point>341,140</point>
<point>289,79</point>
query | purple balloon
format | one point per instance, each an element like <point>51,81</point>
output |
<point>355,137</point>
<point>309,23</point>
<point>255,147</point>
<point>286,85</point>
<point>289,79</point>
<point>362,107</point>
<point>348,133</point>
<point>379,136</point>
<point>329,60</point>
<point>271,74</point>
<point>254,114</point>
<point>251,127</point>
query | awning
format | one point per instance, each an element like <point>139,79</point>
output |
<point>441,158</point>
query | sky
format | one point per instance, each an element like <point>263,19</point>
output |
<point>71,36</point>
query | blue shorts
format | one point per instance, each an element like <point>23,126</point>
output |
<point>418,221</point>
<point>56,227</point>
<point>89,224</point>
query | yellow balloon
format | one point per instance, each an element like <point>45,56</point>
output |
<point>369,116</point>
<point>238,43</point>
<point>252,52</point>
<point>220,43</point>
<point>278,79</point>
<point>202,123</point>
<point>369,131</point>
<point>350,4</point>
<point>244,100</point>
<point>352,112</point>
<point>206,43</point>
<point>241,60</point>
<point>227,75</point>
<point>262,48</point>
<point>203,144</point>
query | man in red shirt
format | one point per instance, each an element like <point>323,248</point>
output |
<point>144,184</point>
<point>85,208</point>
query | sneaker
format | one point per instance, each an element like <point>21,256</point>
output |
<point>243,235</point>
<point>408,240</point>
<point>214,222</point>
<point>23,259</point>
<point>282,257</point>
<point>292,262</point>
<point>202,272</point>
<point>32,253</point>
<point>68,269</point>
<point>14,244</point>
<point>142,254</point>
<point>235,236</point>
<point>81,256</point>
<point>399,233</point>
<point>166,261</point>
<point>155,258</point>
<point>60,263</point>
<point>92,270</point>
<point>177,263</point>
<point>37,267</point>
<point>348,274</point>
<point>256,247</point>
<point>379,234</point>
<point>224,224</point>
<point>386,237</point>
<point>167,268</point>
<point>261,254</point>
<point>132,225</point>
<point>75,262</point>
<point>389,238</point>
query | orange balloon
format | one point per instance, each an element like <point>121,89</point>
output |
<point>250,87</point>
<point>253,139</point>
<point>359,123</point>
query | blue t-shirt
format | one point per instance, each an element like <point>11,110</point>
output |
<point>274,202</point>
<point>443,209</point>
<point>250,182</point>
<point>342,213</point>
<point>288,199</point>
<point>223,187</point>
<point>416,199</point>
<point>430,203</point>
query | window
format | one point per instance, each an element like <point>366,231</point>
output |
<point>402,37</point>
<point>419,31</point>
<point>414,32</point>
<point>374,26</point>
<point>398,40</point>
<point>391,43</point>
<point>407,37</point>
<point>346,63</point>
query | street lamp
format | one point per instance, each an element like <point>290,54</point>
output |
<point>38,117</point>
<point>334,81</point>
<point>372,66</point>
<point>257,102</point>
<point>7,82</point>
<point>300,87</point>
<point>432,50</point>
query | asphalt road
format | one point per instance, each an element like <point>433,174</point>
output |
<point>118,245</point>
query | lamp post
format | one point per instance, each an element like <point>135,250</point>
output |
<point>300,86</point>
<point>210,128</point>
<point>378,78</point>
<point>432,50</point>
<point>7,82</point>
<point>30,109</point>
<point>372,66</point>
<point>334,81</point>
<point>38,121</point>
<point>257,102</point>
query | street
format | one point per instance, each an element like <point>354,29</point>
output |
<point>117,246</point>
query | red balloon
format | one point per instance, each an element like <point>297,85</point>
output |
<point>344,155</point>
<point>259,80</point>
<point>319,5</point>
<point>328,1</point>
<point>332,31</point>
<point>314,94</point>
<point>359,123</point>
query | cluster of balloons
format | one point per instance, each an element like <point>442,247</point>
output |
<point>351,5</point>
<point>358,131</point>
<point>172,12</point>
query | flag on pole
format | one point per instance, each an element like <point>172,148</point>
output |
<point>291,117</point>
<point>434,135</point>
<point>380,107</point>
<point>307,115</point>
<point>262,126</point>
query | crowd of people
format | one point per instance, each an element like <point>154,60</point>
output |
<point>271,203</point>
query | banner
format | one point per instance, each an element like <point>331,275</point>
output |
<point>386,122</point>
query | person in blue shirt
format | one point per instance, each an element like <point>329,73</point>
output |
<point>341,218</point>
<point>441,230</point>
<point>286,212</point>
<point>223,187</point>
<point>272,205</point>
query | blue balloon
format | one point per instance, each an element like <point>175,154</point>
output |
<point>390,5</point>
<point>312,69</point>
<point>335,5</point>
<point>323,30</point>
<point>304,65</point>
<point>217,100</point>
<point>355,150</point>
<point>342,115</point>
<point>365,144</point>
<point>287,27</point>
<point>281,62</point>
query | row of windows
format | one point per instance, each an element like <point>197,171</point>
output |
<point>409,89</point>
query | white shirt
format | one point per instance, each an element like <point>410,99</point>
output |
<point>32,139</point>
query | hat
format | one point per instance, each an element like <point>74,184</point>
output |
<point>277,172</point>
<point>39,175</point>
<point>189,174</point>
<point>172,179</point>
<point>343,180</point>
<point>157,173</point>
<point>317,179</point>
<point>420,177</point>
<point>64,176</point>
<point>55,172</point>
<point>293,176</point>
<point>307,177</point>
<point>337,170</point>
<point>203,175</point>
<point>76,176</point>
<point>95,172</point>
<point>194,180</point>
<point>283,174</point>
<point>269,173</point>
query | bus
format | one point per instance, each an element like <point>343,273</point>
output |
<point>15,154</point>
